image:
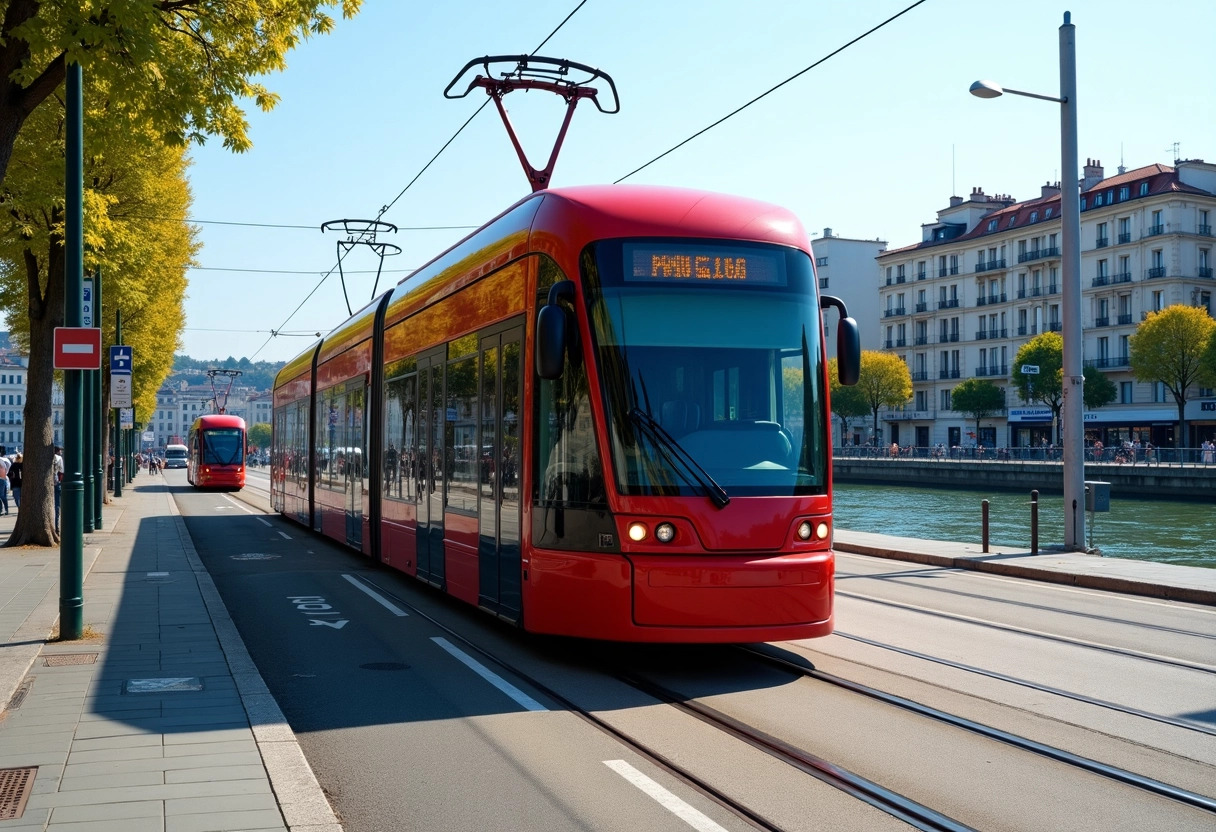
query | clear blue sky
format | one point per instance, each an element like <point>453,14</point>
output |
<point>871,143</point>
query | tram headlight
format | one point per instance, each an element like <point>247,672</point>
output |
<point>821,531</point>
<point>637,532</point>
<point>804,530</point>
<point>665,532</point>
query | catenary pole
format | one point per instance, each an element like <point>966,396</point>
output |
<point>1072,410</point>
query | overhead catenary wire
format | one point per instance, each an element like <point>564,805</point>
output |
<point>385,208</point>
<point>772,89</point>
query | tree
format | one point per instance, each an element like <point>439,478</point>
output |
<point>884,382</point>
<point>1099,390</point>
<point>1046,352</point>
<point>977,398</point>
<point>178,66</point>
<point>1170,346</point>
<point>259,436</point>
<point>847,402</point>
<point>143,270</point>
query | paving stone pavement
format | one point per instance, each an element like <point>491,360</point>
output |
<point>157,720</point>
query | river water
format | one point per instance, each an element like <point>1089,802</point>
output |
<point>1168,532</point>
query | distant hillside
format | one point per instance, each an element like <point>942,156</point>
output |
<point>257,374</point>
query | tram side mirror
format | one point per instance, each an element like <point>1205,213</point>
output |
<point>551,335</point>
<point>848,351</point>
<point>848,342</point>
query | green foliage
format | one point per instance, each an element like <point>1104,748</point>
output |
<point>1172,347</point>
<point>259,435</point>
<point>847,402</point>
<point>259,375</point>
<point>977,398</point>
<point>1099,390</point>
<point>885,381</point>
<point>181,68</point>
<point>1046,352</point>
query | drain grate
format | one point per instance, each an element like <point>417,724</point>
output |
<point>15,785</point>
<point>20,693</point>
<point>65,659</point>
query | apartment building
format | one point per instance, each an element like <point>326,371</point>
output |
<point>985,279</point>
<point>845,268</point>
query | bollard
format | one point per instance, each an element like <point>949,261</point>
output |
<point>1034,522</point>
<point>985,512</point>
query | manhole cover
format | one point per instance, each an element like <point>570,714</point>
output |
<point>385,666</point>
<point>171,685</point>
<point>65,659</point>
<point>15,785</point>
<point>255,556</point>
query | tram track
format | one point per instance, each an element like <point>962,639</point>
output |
<point>1120,775</point>
<point>1025,631</point>
<point>899,806</point>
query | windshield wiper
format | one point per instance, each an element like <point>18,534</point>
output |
<point>672,451</point>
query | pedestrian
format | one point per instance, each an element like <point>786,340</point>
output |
<point>14,479</point>
<point>5,464</point>
<point>57,476</point>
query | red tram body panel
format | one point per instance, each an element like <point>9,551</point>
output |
<point>671,484</point>
<point>216,447</point>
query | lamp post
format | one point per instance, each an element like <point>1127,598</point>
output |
<point>1071,412</point>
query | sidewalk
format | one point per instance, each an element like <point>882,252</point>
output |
<point>1133,577</point>
<point>157,719</point>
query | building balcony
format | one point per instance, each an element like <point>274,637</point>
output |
<point>1205,271</point>
<point>942,272</point>
<point>901,279</point>
<point>955,373</point>
<point>981,335</point>
<point>992,370</point>
<point>1123,320</point>
<point>920,340</point>
<point>922,307</point>
<point>895,311</point>
<point>1029,255</point>
<point>948,304</point>
<point>888,344</point>
<point>920,375</point>
<point>1100,280</point>
<point>1203,230</point>
<point>901,342</point>
<point>1102,242</point>
<point>1028,330</point>
<point>1102,321</point>
<point>1108,362</point>
<point>1053,326</point>
<point>1121,277</point>
<point>1155,271</point>
<point>1154,231</point>
<point>989,265</point>
<point>985,334</point>
<point>1125,237</point>
<point>908,416</point>
<point>948,338</point>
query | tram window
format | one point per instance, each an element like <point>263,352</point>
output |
<point>400,427</point>
<point>460,434</point>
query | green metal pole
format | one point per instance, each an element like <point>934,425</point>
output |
<point>86,450</point>
<point>120,460</point>
<point>71,539</point>
<point>99,416</point>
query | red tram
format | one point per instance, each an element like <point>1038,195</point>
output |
<point>216,448</point>
<point>604,414</point>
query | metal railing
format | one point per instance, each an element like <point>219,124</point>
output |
<point>1144,455</point>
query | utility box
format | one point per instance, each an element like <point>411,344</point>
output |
<point>1097,496</point>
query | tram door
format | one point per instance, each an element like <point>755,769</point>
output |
<point>355,472</point>
<point>432,413</point>
<point>499,517</point>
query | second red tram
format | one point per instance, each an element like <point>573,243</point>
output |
<point>604,414</point>
<point>216,452</point>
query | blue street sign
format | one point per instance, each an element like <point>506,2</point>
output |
<point>120,359</point>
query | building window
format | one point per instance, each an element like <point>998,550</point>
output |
<point>821,261</point>
<point>1125,392</point>
<point>1047,213</point>
<point>1158,300</point>
<point>1143,189</point>
<point>1158,392</point>
<point>1034,216</point>
<point>945,399</point>
<point>1082,203</point>
<point>1097,200</point>
<point>1013,218</point>
<point>1123,193</point>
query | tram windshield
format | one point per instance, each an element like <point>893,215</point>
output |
<point>223,446</point>
<point>710,360</point>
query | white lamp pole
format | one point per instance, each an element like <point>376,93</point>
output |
<point>1072,411</point>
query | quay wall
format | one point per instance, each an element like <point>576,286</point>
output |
<point>1186,482</point>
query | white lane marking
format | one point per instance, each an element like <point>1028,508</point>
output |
<point>497,681</point>
<point>262,520</point>
<point>664,798</point>
<point>285,535</point>
<point>375,596</point>
<point>238,504</point>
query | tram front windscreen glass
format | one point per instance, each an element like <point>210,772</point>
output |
<point>709,350</point>
<point>223,446</point>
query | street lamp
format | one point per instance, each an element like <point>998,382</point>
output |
<point>1071,412</point>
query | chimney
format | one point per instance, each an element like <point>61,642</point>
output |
<point>956,201</point>
<point>1049,189</point>
<point>978,195</point>
<point>1093,174</point>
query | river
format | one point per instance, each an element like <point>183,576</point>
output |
<point>1167,532</point>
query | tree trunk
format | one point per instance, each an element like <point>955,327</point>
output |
<point>1181,441</point>
<point>36,521</point>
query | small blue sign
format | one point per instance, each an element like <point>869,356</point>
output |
<point>120,359</point>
